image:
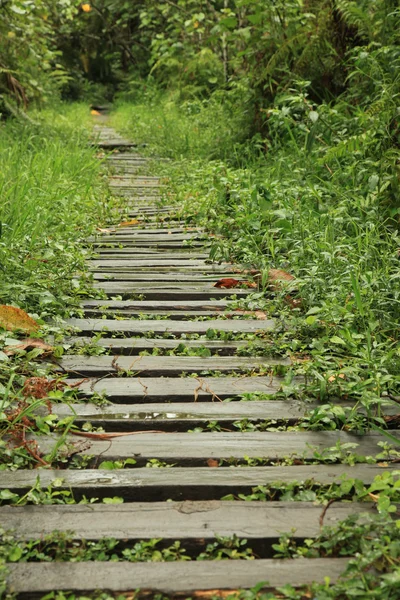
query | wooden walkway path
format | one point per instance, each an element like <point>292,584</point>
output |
<point>160,294</point>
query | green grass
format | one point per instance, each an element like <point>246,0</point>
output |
<point>327,217</point>
<point>51,197</point>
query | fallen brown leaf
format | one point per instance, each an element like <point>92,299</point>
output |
<point>278,275</point>
<point>334,377</point>
<point>39,387</point>
<point>230,282</point>
<point>105,230</point>
<point>260,315</point>
<point>92,112</point>
<point>13,319</point>
<point>129,223</point>
<point>212,463</point>
<point>28,344</point>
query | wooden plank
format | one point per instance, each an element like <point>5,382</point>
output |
<point>149,306</point>
<point>158,261</point>
<point>193,277</point>
<point>114,144</point>
<point>147,484</point>
<point>180,389</point>
<point>118,236</point>
<point>140,178</point>
<point>108,249</point>
<point>162,366</point>
<point>156,231</point>
<point>132,346</point>
<point>170,577</point>
<point>219,272</point>
<point>116,254</point>
<point>175,315</point>
<point>172,327</point>
<point>187,520</point>
<point>182,412</point>
<point>132,244</point>
<point>164,293</point>
<point>137,253</point>
<point>197,448</point>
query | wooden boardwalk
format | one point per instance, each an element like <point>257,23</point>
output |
<point>160,294</point>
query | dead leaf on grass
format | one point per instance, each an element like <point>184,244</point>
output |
<point>230,282</point>
<point>260,314</point>
<point>278,275</point>
<point>39,387</point>
<point>28,344</point>
<point>334,377</point>
<point>13,319</point>
<point>102,230</point>
<point>130,223</point>
<point>94,112</point>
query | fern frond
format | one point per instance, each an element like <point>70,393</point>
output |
<point>353,15</point>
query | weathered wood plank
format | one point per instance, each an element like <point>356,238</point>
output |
<point>107,249</point>
<point>219,271</point>
<point>181,389</point>
<point>164,293</point>
<point>119,236</point>
<point>175,315</point>
<point>149,306</point>
<point>197,448</point>
<point>132,346</point>
<point>114,144</point>
<point>170,577</point>
<point>185,520</point>
<point>146,484</point>
<point>146,254</point>
<point>166,276</point>
<point>161,366</point>
<point>159,261</point>
<point>131,244</point>
<point>180,411</point>
<point>127,416</point>
<point>172,327</point>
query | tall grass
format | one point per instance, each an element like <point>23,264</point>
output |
<point>198,129</point>
<point>325,214</point>
<point>50,197</point>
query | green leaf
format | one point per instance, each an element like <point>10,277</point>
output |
<point>114,500</point>
<point>311,320</point>
<point>337,340</point>
<point>15,554</point>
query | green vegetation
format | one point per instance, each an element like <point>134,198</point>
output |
<point>280,123</point>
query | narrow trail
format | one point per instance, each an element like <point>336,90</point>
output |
<point>160,295</point>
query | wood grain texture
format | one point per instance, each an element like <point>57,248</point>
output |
<point>195,447</point>
<point>221,480</point>
<point>133,346</point>
<point>185,520</point>
<point>171,327</point>
<point>156,389</point>
<point>170,577</point>
<point>159,366</point>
